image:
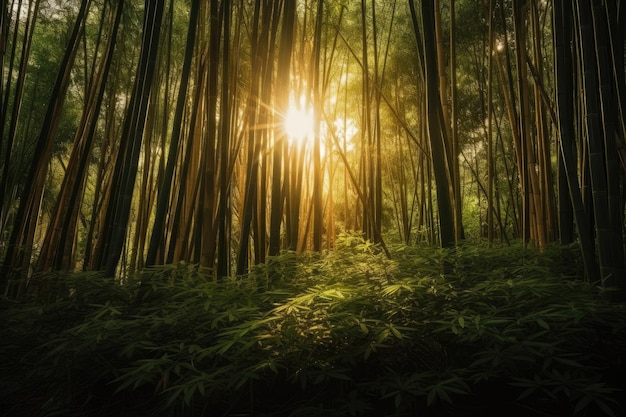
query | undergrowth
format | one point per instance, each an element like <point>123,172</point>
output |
<point>347,333</point>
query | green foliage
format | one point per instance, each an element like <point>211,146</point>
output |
<point>345,333</point>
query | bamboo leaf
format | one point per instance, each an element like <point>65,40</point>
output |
<point>604,407</point>
<point>543,324</point>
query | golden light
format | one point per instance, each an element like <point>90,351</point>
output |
<point>299,124</point>
<point>499,45</point>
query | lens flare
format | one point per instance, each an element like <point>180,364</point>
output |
<point>299,124</point>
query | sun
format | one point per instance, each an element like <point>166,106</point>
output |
<point>299,124</point>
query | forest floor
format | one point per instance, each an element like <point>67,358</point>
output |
<point>475,331</point>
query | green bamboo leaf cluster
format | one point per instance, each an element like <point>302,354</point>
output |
<point>344,333</point>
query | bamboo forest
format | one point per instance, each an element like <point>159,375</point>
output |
<point>299,208</point>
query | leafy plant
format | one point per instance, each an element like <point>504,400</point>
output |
<point>349,332</point>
